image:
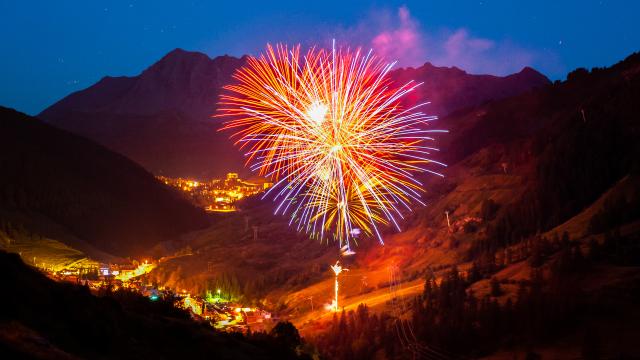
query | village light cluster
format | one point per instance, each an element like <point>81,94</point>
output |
<point>222,313</point>
<point>217,195</point>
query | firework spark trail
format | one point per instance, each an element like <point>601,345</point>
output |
<point>329,128</point>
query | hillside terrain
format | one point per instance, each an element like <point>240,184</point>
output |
<point>60,186</point>
<point>531,177</point>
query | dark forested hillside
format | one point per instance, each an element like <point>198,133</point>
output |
<point>96,195</point>
<point>571,141</point>
<point>541,259</point>
<point>555,308</point>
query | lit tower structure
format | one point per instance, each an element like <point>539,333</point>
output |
<point>337,269</point>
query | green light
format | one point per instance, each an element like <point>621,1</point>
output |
<point>209,298</point>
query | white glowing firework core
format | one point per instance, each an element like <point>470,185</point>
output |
<point>317,111</point>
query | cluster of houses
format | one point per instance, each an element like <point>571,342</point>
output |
<point>218,195</point>
<point>226,315</point>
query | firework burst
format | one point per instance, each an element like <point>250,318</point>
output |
<point>330,129</point>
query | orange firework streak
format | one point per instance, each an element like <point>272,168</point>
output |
<point>329,128</point>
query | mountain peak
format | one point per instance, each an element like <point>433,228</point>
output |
<point>179,53</point>
<point>429,67</point>
<point>531,75</point>
<point>527,70</point>
<point>181,56</point>
<point>170,105</point>
<point>181,82</point>
<point>178,58</point>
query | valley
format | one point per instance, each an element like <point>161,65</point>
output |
<point>537,210</point>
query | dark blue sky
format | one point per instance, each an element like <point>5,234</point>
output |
<point>51,48</point>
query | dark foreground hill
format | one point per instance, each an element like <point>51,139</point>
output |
<point>162,117</point>
<point>42,319</point>
<point>86,190</point>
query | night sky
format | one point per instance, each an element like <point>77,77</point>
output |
<point>51,48</point>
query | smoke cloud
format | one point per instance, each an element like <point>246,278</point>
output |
<point>402,43</point>
<point>399,36</point>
